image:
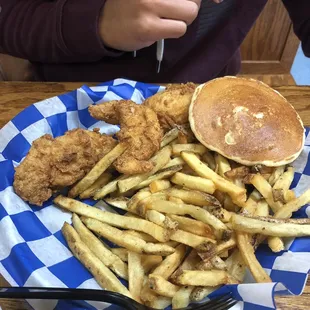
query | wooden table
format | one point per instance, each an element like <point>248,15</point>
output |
<point>15,96</point>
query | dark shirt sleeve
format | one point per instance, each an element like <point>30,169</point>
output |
<point>299,11</point>
<point>60,31</point>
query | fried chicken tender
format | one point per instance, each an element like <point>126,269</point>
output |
<point>52,164</point>
<point>172,104</point>
<point>140,129</point>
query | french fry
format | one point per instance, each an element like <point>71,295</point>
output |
<point>237,193</point>
<point>181,298</point>
<point>133,215</point>
<point>278,171</point>
<point>192,182</point>
<point>103,275</point>
<point>161,286</point>
<point>248,255</point>
<point>289,195</point>
<point>151,299</point>
<point>222,164</point>
<point>300,221</point>
<point>196,212</point>
<point>182,138</point>
<point>226,245</point>
<point>239,182</point>
<point>112,219</point>
<point>119,202</point>
<point>193,226</point>
<point>250,206</point>
<point>214,263</point>
<point>219,212</point>
<point>141,235</point>
<point>175,199</point>
<point>203,278</point>
<point>229,205</point>
<point>237,173</point>
<point>262,208</point>
<point>121,253</point>
<point>178,235</point>
<point>141,207</point>
<point>97,170</point>
<point>160,302</point>
<point>262,185</point>
<point>208,158</point>
<point>175,162</point>
<point>193,197</point>
<point>96,246</point>
<point>170,263</point>
<point>169,137</point>
<point>218,263</point>
<point>177,149</point>
<point>131,243</point>
<point>236,266</point>
<point>188,171</point>
<point>276,244</point>
<point>283,184</point>
<point>107,189</point>
<point>189,263</point>
<point>293,205</point>
<point>136,199</point>
<point>160,159</point>
<point>255,226</point>
<point>162,220</point>
<point>201,292</point>
<point>163,174</point>
<point>224,254</point>
<point>205,265</point>
<point>98,184</point>
<point>135,275</point>
<point>172,243</point>
<point>148,296</point>
<point>159,185</point>
<point>218,249</point>
<point>149,262</point>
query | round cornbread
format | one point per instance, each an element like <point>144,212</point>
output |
<point>247,121</point>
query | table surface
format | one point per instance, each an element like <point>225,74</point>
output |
<point>15,96</point>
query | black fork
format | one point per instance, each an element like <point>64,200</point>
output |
<point>222,302</point>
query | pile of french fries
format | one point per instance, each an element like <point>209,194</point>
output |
<point>189,226</point>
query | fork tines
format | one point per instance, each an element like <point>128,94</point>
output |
<point>222,302</point>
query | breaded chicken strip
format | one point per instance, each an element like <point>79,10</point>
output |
<point>172,104</point>
<point>140,128</point>
<point>52,164</point>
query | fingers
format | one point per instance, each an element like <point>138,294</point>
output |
<point>161,29</point>
<point>171,29</point>
<point>180,10</point>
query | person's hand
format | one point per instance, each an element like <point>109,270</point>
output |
<point>130,25</point>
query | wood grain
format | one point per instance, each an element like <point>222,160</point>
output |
<point>16,96</point>
<point>290,49</point>
<point>267,37</point>
<point>273,80</point>
<point>271,45</point>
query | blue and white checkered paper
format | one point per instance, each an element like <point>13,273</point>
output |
<point>33,251</point>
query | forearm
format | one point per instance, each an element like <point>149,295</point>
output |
<point>299,12</point>
<point>61,31</point>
